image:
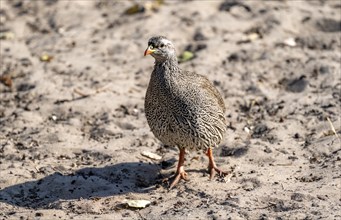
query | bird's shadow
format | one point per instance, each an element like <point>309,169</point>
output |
<point>85,183</point>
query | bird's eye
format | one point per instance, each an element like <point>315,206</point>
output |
<point>162,46</point>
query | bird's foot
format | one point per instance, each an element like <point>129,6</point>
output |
<point>214,169</point>
<point>179,175</point>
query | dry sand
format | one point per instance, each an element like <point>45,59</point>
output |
<point>72,130</point>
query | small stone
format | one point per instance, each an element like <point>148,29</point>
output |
<point>324,70</point>
<point>259,130</point>
<point>297,197</point>
<point>291,42</point>
<point>297,85</point>
<point>54,118</point>
<point>198,36</point>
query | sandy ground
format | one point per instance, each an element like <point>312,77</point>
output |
<point>72,123</point>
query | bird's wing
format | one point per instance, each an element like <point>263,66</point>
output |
<point>206,85</point>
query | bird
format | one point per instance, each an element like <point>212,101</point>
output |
<point>183,109</point>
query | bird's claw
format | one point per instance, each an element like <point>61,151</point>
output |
<point>181,175</point>
<point>213,170</point>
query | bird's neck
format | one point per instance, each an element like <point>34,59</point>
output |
<point>169,66</point>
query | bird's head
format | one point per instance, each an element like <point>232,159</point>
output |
<point>160,48</point>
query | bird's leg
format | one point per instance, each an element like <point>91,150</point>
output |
<point>180,171</point>
<point>212,166</point>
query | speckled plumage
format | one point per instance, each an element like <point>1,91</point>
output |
<point>183,108</point>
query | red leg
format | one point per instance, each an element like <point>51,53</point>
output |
<point>180,171</point>
<point>212,166</point>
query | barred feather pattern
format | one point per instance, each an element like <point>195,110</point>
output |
<point>183,108</point>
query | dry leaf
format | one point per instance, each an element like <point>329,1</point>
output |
<point>151,155</point>
<point>253,36</point>
<point>134,9</point>
<point>195,158</point>
<point>249,38</point>
<point>7,80</point>
<point>143,8</point>
<point>154,5</point>
<point>186,56</point>
<point>137,203</point>
<point>6,35</point>
<point>46,58</point>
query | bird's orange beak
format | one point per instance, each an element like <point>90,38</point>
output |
<point>148,51</point>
